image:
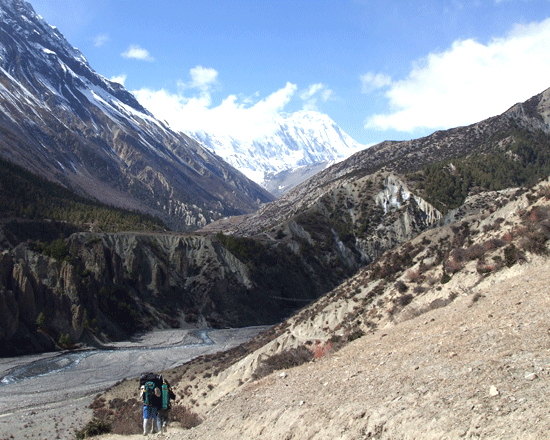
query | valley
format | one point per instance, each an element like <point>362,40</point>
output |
<point>46,396</point>
<point>395,291</point>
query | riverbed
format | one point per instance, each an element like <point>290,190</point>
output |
<point>46,396</point>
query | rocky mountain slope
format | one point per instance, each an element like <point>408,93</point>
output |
<point>444,336</point>
<point>499,137</point>
<point>303,144</point>
<point>260,268</point>
<point>62,120</point>
<point>92,288</point>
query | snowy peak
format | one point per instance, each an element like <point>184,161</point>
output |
<point>62,120</point>
<point>304,140</point>
<point>29,46</point>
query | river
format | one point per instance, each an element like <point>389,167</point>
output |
<point>46,396</point>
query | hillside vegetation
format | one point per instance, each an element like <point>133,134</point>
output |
<point>28,196</point>
<point>498,235</point>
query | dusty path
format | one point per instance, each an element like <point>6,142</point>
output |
<point>478,368</point>
<point>36,403</point>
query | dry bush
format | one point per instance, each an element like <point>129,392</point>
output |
<point>283,360</point>
<point>475,251</point>
<point>452,266</point>
<point>494,243</point>
<point>93,428</point>
<point>128,417</point>
<point>535,242</point>
<point>321,349</point>
<point>459,255</point>
<point>97,403</point>
<point>405,300</point>
<point>185,417</point>
<point>414,276</point>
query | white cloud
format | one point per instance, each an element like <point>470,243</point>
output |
<point>313,93</point>
<point>101,40</point>
<point>121,79</point>
<point>138,53</point>
<point>468,82</point>
<point>243,118</point>
<point>202,78</point>
<point>372,81</point>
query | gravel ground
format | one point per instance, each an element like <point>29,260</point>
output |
<point>478,368</point>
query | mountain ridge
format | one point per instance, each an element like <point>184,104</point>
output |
<point>93,136</point>
<point>302,142</point>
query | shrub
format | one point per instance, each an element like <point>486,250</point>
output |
<point>535,242</point>
<point>476,251</point>
<point>452,266</point>
<point>93,427</point>
<point>494,243</point>
<point>511,255</point>
<point>185,417</point>
<point>445,278</point>
<point>401,286</point>
<point>40,320</point>
<point>65,341</point>
<point>405,299</point>
<point>283,360</point>
<point>356,334</point>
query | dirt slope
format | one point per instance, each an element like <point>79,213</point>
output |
<point>478,368</point>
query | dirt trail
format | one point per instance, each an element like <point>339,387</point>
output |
<point>478,368</point>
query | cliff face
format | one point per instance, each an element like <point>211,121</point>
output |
<point>94,288</point>
<point>108,286</point>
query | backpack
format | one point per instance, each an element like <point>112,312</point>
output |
<point>150,381</point>
<point>165,396</point>
<point>157,379</point>
<point>148,393</point>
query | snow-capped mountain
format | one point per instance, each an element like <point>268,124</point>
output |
<point>62,120</point>
<point>303,144</point>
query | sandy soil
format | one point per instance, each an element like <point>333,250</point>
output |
<point>53,405</point>
<point>478,368</point>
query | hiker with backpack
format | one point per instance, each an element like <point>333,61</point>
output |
<point>151,394</point>
<point>164,410</point>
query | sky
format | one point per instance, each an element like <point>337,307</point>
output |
<point>381,69</point>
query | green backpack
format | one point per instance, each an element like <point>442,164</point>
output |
<point>165,396</point>
<point>148,392</point>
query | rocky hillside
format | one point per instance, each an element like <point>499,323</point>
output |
<point>92,288</point>
<point>62,120</point>
<point>443,336</point>
<point>513,147</point>
<point>261,268</point>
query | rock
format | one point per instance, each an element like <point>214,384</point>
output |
<point>493,392</point>
<point>531,376</point>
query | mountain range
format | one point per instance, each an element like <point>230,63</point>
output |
<point>62,120</point>
<point>303,143</point>
<point>389,235</point>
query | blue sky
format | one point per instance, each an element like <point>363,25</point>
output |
<point>381,69</point>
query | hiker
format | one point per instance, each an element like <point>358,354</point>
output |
<point>151,394</point>
<point>164,409</point>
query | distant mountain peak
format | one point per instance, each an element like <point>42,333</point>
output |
<point>64,121</point>
<point>304,140</point>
